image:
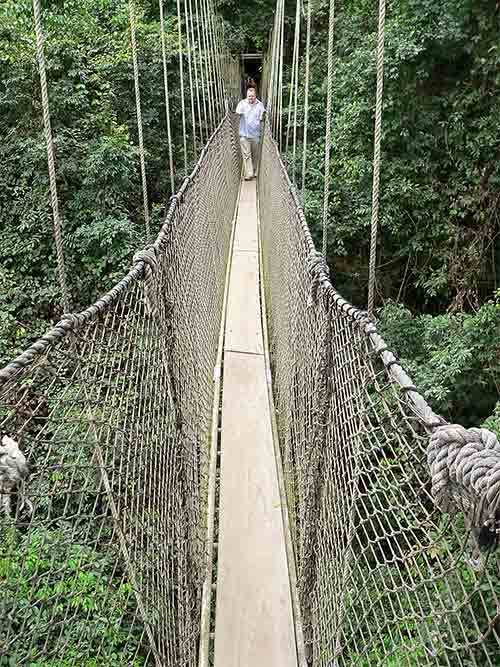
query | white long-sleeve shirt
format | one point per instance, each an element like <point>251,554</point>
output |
<point>250,117</point>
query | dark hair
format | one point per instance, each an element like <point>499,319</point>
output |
<point>251,88</point>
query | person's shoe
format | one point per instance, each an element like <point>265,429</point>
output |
<point>248,178</point>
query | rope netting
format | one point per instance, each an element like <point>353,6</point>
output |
<point>103,546</point>
<point>384,576</point>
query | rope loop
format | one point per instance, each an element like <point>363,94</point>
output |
<point>317,268</point>
<point>149,256</point>
<point>465,470</point>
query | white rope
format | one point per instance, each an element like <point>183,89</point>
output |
<point>296,91</point>
<point>190,71</point>
<point>208,61</point>
<point>376,156</point>
<point>61,269</point>
<point>274,77</point>
<point>167,100</point>
<point>204,65</point>
<point>196,65</point>
<point>217,72</point>
<point>181,72</point>
<point>294,71</point>
<point>328,131</point>
<point>280,81</point>
<point>131,9</point>
<point>306,99</point>
<point>216,79</point>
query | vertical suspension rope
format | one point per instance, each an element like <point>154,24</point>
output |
<point>190,71</point>
<point>61,268</point>
<point>181,73</point>
<point>328,138</point>
<point>131,9</point>
<point>203,75</point>
<point>220,57</point>
<point>376,156</point>
<point>167,97</point>
<point>211,51</point>
<point>294,70</point>
<point>273,75</point>
<point>306,99</point>
<point>196,56</point>
<point>280,81</point>
<point>296,93</point>
<point>215,57</point>
<point>208,65</point>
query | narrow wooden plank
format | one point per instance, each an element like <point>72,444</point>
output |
<point>243,328</point>
<point>246,238</point>
<point>254,623</point>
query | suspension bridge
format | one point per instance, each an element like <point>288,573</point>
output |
<point>228,466</point>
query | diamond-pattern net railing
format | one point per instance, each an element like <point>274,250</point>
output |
<point>384,578</point>
<point>102,548</point>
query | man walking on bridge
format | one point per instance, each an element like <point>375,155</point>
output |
<point>251,111</point>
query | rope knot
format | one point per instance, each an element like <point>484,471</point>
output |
<point>317,268</point>
<point>465,470</point>
<point>149,256</point>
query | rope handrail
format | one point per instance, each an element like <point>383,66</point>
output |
<point>73,321</point>
<point>355,314</point>
<point>112,409</point>
<point>361,447</point>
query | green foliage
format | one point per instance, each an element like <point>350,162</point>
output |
<point>93,118</point>
<point>48,578</point>
<point>440,181</point>
<point>454,359</point>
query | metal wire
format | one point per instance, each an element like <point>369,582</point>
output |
<point>112,409</point>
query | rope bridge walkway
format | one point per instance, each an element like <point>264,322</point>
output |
<point>220,461</point>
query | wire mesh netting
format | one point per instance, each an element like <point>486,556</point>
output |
<point>384,577</point>
<point>103,545</point>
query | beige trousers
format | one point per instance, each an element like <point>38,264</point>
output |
<point>250,150</point>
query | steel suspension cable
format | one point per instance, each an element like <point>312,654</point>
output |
<point>181,73</point>
<point>376,156</point>
<point>61,268</point>
<point>167,98</point>
<point>131,9</point>
<point>306,98</point>
<point>328,138</point>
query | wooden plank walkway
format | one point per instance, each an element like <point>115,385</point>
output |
<point>254,622</point>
